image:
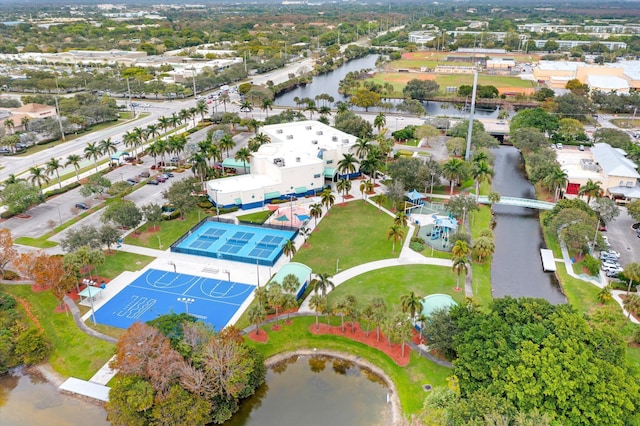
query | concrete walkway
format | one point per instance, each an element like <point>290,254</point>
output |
<point>602,282</point>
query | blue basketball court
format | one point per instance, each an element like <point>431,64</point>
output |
<point>156,293</point>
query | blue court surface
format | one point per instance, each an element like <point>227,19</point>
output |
<point>155,293</point>
<point>240,243</point>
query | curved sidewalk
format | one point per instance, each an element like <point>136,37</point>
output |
<point>372,266</point>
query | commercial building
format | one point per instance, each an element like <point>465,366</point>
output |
<point>300,160</point>
<point>621,77</point>
<point>616,174</point>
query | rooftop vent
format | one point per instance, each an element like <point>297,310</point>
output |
<point>345,140</point>
<point>297,159</point>
<point>289,136</point>
<point>279,131</point>
<point>334,138</point>
<point>319,132</point>
<point>308,127</point>
<point>314,142</point>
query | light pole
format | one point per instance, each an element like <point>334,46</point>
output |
<point>431,193</point>
<point>159,242</point>
<point>215,191</point>
<point>186,301</point>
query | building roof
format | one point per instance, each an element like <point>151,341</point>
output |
<point>607,82</point>
<point>300,270</point>
<point>306,136</point>
<point>436,301</point>
<point>241,183</point>
<point>558,65</point>
<point>613,162</point>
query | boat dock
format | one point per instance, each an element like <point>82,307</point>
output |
<point>548,261</point>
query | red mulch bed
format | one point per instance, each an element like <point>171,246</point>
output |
<point>263,337</point>
<point>22,216</point>
<point>394,351</point>
<point>348,197</point>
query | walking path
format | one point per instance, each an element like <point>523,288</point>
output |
<point>602,282</point>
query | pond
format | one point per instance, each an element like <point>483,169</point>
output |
<point>28,399</point>
<point>316,390</point>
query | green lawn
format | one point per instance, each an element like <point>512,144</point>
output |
<point>119,261</point>
<point>355,233</point>
<point>481,271</point>
<point>73,352</point>
<point>170,231</point>
<point>257,217</point>
<point>408,380</point>
<point>394,282</point>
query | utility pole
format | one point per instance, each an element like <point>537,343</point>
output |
<point>193,76</point>
<point>467,153</point>
<point>133,110</point>
<point>55,98</point>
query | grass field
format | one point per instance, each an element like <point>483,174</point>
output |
<point>169,232</point>
<point>481,279</point>
<point>442,56</point>
<point>73,352</point>
<point>120,261</point>
<point>355,233</point>
<point>408,380</point>
<point>392,283</point>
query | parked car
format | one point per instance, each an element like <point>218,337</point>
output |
<point>145,174</point>
<point>131,181</point>
<point>152,182</point>
<point>559,145</point>
<point>167,175</point>
<point>161,178</point>
<point>612,253</point>
<point>82,206</point>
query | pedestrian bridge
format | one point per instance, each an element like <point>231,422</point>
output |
<point>519,202</point>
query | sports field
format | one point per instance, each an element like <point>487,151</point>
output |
<point>157,292</point>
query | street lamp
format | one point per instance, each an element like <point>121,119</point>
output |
<point>215,191</point>
<point>431,194</point>
<point>186,301</point>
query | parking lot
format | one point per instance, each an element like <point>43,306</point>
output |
<point>623,238</point>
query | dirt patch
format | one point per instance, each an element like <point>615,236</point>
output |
<point>513,89</point>
<point>394,351</point>
<point>405,77</point>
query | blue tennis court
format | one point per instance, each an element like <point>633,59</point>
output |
<point>155,293</point>
<point>249,244</point>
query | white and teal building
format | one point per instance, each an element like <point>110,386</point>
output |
<point>301,159</point>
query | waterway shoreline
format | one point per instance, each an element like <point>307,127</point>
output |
<point>396,410</point>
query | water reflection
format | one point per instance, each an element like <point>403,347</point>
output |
<point>303,390</point>
<point>516,269</point>
<point>28,399</point>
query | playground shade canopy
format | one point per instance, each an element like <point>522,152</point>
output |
<point>436,301</point>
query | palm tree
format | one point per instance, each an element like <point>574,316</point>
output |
<point>493,198</point>
<point>38,176</point>
<point>400,219</point>
<point>631,304</point>
<point>604,295</point>
<point>348,164</point>
<point>9,124</point>
<point>322,282</point>
<point>327,198</point>
<point>380,121</point>
<point>460,265</point>
<point>379,308</point>
<point>152,131</point>
<point>275,298</point>
<point>366,187</point>
<point>411,303</point>
<point>164,124</point>
<point>632,273</point>
<point>246,107</point>
<point>289,248</point>
<point>454,171</point>
<point>395,233</point>
<point>363,147</point>
<point>591,189</point>
<point>381,199</point>
<point>483,247</point>
<point>267,104</point>
<point>202,109</point>
<point>481,173</point>
<point>290,283</point>
<point>311,107</point>
<point>226,142</point>
<point>130,139</point>
<point>460,249</point>
<point>256,314</point>
<point>341,186</point>
<point>318,303</point>
<point>556,180</point>
<point>74,160</point>
<point>262,139</point>
<point>244,155</point>
<point>25,123</point>
<point>53,166</point>
<point>342,308</point>
<point>199,167</point>
<point>224,98</point>
<point>107,147</point>
<point>92,152</point>
<point>315,211</point>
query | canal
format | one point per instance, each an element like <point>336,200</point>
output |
<point>516,269</point>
